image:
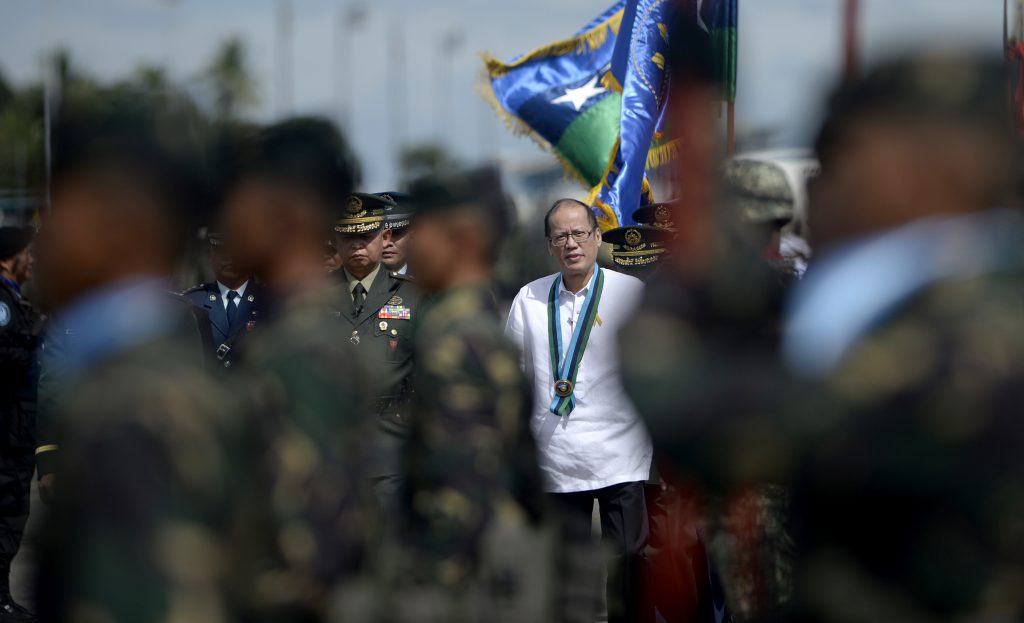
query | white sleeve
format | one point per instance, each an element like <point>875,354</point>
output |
<point>515,328</point>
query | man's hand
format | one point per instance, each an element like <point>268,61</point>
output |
<point>48,488</point>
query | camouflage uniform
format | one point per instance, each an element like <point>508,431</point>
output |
<point>311,399</point>
<point>159,502</point>
<point>473,546</point>
<point>910,485</point>
<point>20,327</point>
<point>695,353</point>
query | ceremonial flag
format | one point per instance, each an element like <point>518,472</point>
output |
<point>639,74</point>
<point>556,96</point>
<point>721,18</point>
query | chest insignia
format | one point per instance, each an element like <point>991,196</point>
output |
<point>395,312</point>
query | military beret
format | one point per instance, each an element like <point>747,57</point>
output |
<point>656,215</point>
<point>14,240</point>
<point>479,190</point>
<point>400,215</point>
<point>639,246</point>
<point>363,214</point>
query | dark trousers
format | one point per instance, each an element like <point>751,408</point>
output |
<point>624,533</point>
<point>16,468</point>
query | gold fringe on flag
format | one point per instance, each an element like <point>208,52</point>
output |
<point>590,40</point>
<point>660,155</point>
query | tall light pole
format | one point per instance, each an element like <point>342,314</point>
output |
<point>347,22</point>
<point>451,42</point>
<point>396,99</point>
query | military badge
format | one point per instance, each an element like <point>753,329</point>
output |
<point>249,326</point>
<point>250,298</point>
<point>5,315</point>
<point>383,325</point>
<point>394,332</point>
<point>355,337</point>
<point>213,297</point>
<point>633,237</point>
<point>395,300</point>
<point>394,312</point>
<point>393,344</point>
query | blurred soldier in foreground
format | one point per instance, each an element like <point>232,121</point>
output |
<point>475,549</point>
<point>298,372</point>
<point>20,327</point>
<point>705,332</point>
<point>234,303</point>
<point>912,472</point>
<point>378,310</point>
<point>397,219</point>
<point>155,465</point>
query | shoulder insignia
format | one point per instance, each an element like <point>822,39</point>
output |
<point>197,288</point>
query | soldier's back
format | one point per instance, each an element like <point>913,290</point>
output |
<point>910,492</point>
<point>311,398</point>
<point>475,545</point>
<point>158,479</point>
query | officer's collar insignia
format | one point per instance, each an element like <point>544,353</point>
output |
<point>250,298</point>
<point>395,300</point>
<point>213,297</point>
<point>633,237</point>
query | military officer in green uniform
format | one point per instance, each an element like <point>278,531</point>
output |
<point>397,219</point>
<point>378,308</point>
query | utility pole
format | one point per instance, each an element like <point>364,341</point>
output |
<point>283,40</point>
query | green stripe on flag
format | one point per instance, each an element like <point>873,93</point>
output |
<point>725,42</point>
<point>588,141</point>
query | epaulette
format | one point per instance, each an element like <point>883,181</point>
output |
<point>197,288</point>
<point>402,276</point>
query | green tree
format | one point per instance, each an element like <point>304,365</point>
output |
<point>234,87</point>
<point>425,160</point>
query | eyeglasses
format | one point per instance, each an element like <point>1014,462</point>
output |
<point>579,236</point>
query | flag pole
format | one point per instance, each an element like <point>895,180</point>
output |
<point>730,124</point>
<point>850,19</point>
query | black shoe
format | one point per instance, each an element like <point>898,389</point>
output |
<point>13,612</point>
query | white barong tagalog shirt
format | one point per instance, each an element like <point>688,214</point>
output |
<point>602,442</point>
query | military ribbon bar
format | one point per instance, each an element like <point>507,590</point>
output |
<point>565,371</point>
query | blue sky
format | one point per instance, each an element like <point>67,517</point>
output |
<point>789,53</point>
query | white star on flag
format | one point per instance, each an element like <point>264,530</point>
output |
<point>578,97</point>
